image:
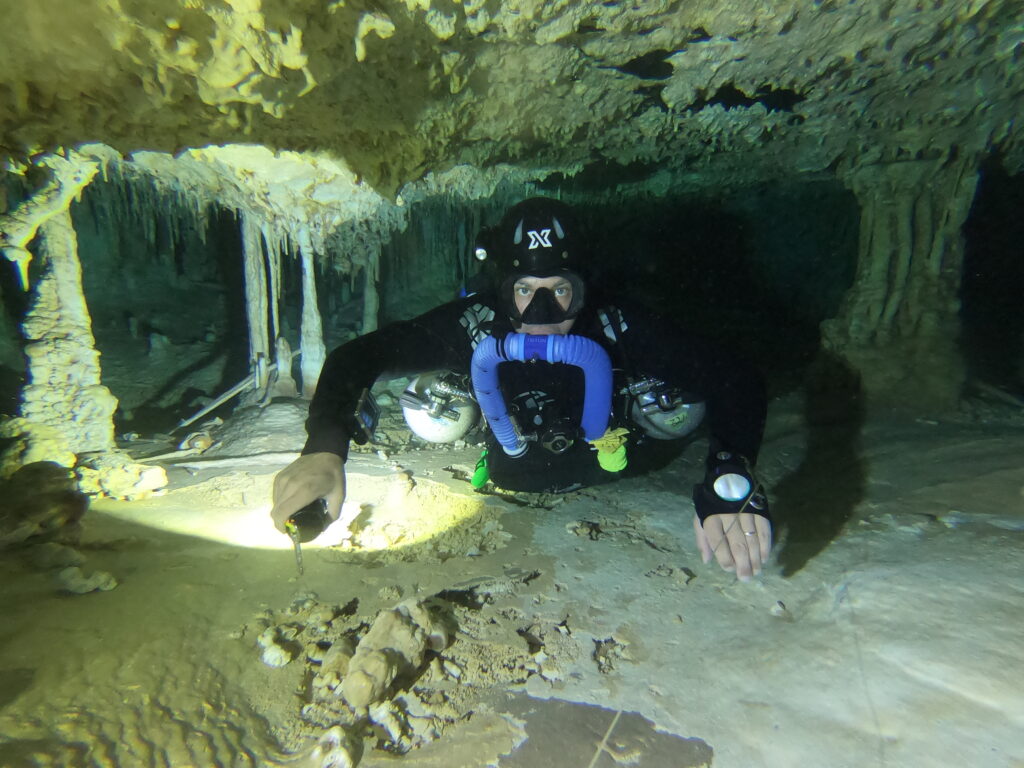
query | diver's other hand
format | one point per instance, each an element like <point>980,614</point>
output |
<point>732,523</point>
<point>739,542</point>
<point>308,478</point>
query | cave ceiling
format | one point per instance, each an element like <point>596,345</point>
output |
<point>741,91</point>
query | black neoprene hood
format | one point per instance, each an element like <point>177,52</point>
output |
<point>539,236</point>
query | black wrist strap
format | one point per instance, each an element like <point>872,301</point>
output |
<point>708,503</point>
<point>706,500</point>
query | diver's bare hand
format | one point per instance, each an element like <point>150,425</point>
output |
<point>739,542</point>
<point>310,477</point>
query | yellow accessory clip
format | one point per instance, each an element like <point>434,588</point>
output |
<point>611,440</point>
<point>611,449</point>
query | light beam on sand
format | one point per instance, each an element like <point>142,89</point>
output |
<point>377,515</point>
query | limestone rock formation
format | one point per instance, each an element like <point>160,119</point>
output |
<point>410,87</point>
<point>394,645</point>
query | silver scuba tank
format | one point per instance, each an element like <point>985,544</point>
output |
<point>662,411</point>
<point>438,407</point>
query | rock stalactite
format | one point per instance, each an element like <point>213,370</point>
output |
<point>68,175</point>
<point>898,325</point>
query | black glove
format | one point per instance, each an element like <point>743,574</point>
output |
<point>729,487</point>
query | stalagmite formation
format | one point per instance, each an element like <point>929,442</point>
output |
<point>898,326</point>
<point>274,253</point>
<point>60,348</point>
<point>256,306</point>
<point>312,349</point>
<point>66,413</point>
<point>64,367</point>
<point>282,382</point>
<point>371,298</point>
<point>65,410</point>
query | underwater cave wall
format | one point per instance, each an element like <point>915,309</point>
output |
<point>423,266</point>
<point>431,260</point>
<point>162,279</point>
<point>429,263</point>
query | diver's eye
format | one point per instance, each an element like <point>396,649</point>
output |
<point>523,290</point>
<point>563,290</point>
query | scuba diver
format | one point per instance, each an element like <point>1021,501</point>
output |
<point>576,390</point>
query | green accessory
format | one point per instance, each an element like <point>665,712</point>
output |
<point>614,461</point>
<point>611,449</point>
<point>481,474</point>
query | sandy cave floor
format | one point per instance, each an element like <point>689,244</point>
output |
<point>584,629</point>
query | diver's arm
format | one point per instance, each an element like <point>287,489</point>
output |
<point>731,521</point>
<point>431,341</point>
<point>732,388</point>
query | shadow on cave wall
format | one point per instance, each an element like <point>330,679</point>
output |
<point>14,302</point>
<point>813,504</point>
<point>692,264</point>
<point>12,362</point>
<point>758,272</point>
<point>11,382</point>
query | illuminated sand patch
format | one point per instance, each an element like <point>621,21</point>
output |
<point>402,519</point>
<point>386,517</point>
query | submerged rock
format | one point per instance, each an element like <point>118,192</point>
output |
<point>39,499</point>
<point>50,554</point>
<point>75,581</point>
<point>276,649</point>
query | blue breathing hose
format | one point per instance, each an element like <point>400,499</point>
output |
<point>522,347</point>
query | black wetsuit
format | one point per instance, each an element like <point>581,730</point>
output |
<point>545,398</point>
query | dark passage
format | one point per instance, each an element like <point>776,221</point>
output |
<point>993,280</point>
